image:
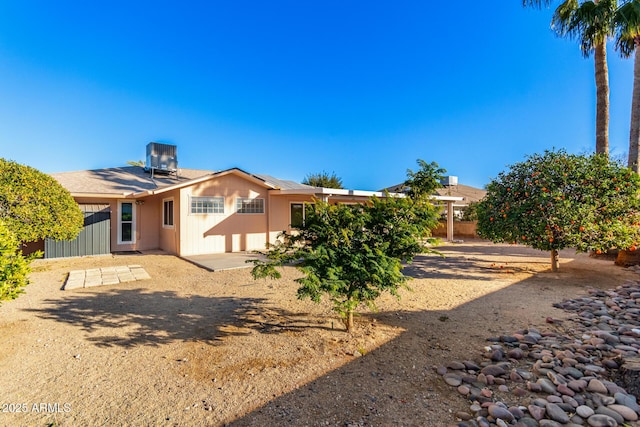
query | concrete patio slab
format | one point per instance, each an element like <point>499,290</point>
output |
<point>224,261</point>
<point>104,276</point>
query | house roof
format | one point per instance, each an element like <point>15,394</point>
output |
<point>123,180</point>
<point>135,181</point>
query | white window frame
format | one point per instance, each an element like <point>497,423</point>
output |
<point>173,212</point>
<point>133,222</point>
<point>240,200</point>
<point>214,199</point>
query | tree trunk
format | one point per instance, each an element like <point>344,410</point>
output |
<point>349,321</point>
<point>630,376</point>
<point>554,260</point>
<point>634,134</point>
<point>602,99</point>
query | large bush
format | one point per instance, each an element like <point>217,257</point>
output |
<point>34,206</point>
<point>557,200</point>
<point>14,267</point>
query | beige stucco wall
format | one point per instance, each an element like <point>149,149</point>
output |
<point>228,232</point>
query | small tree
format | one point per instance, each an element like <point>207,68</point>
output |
<point>34,206</point>
<point>425,181</point>
<point>557,200</point>
<point>323,179</point>
<point>14,267</point>
<point>352,253</point>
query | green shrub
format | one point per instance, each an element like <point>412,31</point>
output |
<point>14,267</point>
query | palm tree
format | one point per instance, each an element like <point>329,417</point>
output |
<point>627,25</point>
<point>591,22</point>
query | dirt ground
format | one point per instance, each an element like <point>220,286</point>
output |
<point>191,347</point>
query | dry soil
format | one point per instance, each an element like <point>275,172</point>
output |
<point>190,347</point>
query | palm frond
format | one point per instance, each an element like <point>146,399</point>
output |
<point>627,26</point>
<point>589,22</point>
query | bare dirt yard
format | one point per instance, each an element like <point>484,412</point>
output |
<point>190,347</point>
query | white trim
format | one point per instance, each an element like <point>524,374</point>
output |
<point>133,222</point>
<point>173,213</point>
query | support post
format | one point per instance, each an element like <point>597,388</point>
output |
<point>450,221</point>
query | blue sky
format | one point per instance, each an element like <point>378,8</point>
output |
<point>288,88</point>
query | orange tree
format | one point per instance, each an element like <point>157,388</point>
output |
<point>556,200</point>
<point>353,253</point>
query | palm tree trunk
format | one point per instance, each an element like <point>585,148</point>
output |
<point>634,134</point>
<point>602,99</point>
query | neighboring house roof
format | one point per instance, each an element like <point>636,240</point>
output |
<point>469,194</point>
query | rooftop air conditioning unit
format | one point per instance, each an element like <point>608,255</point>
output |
<point>162,157</point>
<point>449,181</point>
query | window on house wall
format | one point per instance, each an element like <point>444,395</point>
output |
<point>298,213</point>
<point>126,220</point>
<point>207,205</point>
<point>167,213</point>
<point>248,206</point>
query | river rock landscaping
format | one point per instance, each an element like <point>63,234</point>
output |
<point>564,376</point>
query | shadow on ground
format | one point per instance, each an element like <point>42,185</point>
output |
<point>395,384</point>
<point>131,317</point>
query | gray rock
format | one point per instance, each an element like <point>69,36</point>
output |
<point>556,413</point>
<point>626,412</point>
<point>527,422</point>
<point>627,400</point>
<point>584,411</point>
<point>547,386</point>
<point>604,410</point>
<point>493,370</point>
<point>599,420</point>
<point>452,379</point>
<point>536,412</point>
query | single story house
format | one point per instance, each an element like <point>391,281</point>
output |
<point>185,211</point>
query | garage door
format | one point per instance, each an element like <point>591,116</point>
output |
<point>94,239</point>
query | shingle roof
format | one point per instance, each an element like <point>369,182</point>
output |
<point>470,194</point>
<point>282,184</point>
<point>122,180</point>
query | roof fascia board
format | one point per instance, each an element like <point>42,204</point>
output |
<point>232,171</point>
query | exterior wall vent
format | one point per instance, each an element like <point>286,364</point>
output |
<point>162,158</point>
<point>449,181</point>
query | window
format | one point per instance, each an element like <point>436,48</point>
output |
<point>167,213</point>
<point>207,205</point>
<point>250,206</point>
<point>126,222</point>
<point>297,215</point>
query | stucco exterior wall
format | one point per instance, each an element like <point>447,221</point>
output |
<point>227,232</point>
